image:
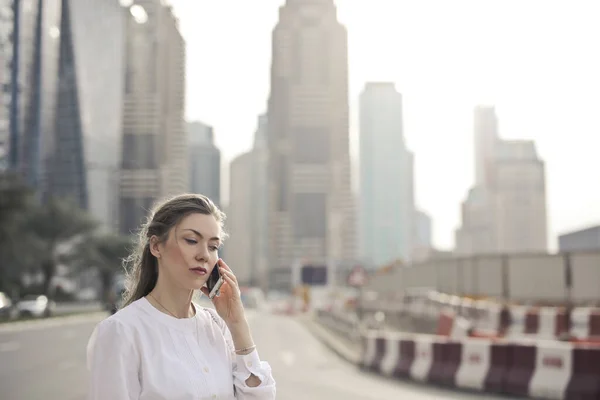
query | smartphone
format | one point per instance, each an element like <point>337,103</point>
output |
<point>214,282</point>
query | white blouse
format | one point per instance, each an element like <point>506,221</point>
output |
<point>140,353</point>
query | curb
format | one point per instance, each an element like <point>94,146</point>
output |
<point>331,340</point>
<point>60,320</point>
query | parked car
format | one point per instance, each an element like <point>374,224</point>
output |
<point>7,309</point>
<point>37,306</point>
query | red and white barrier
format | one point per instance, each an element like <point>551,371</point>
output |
<point>474,364</point>
<point>553,366</point>
<point>423,358</point>
<point>585,323</point>
<point>542,369</point>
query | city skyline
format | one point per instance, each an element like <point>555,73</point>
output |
<point>537,97</point>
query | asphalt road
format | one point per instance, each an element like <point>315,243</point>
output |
<point>46,360</point>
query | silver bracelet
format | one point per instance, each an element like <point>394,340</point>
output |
<point>246,349</point>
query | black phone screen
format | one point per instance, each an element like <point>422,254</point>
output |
<point>213,278</point>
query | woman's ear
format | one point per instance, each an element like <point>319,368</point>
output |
<point>154,246</point>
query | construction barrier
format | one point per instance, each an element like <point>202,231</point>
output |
<point>542,369</point>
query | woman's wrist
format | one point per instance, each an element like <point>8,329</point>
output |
<point>242,338</point>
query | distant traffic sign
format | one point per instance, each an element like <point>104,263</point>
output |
<point>357,277</point>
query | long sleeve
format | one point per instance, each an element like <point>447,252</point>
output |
<point>113,363</point>
<point>243,367</point>
<point>246,365</point>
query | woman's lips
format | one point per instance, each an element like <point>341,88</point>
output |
<point>199,270</point>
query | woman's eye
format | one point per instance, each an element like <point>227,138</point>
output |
<point>214,248</point>
<point>191,241</point>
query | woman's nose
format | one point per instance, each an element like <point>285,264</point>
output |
<point>200,253</point>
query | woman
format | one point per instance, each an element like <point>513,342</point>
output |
<point>161,345</point>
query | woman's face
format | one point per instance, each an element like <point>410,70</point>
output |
<point>190,253</point>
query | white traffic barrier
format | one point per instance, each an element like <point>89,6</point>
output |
<point>553,366</point>
<point>474,365</point>
<point>419,370</point>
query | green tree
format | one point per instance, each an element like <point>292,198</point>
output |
<point>19,248</point>
<point>56,223</point>
<point>105,252</point>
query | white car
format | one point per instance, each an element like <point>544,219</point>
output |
<point>36,306</point>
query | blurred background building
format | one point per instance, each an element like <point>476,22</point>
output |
<point>506,209</point>
<point>587,239</point>
<point>67,95</point>
<point>85,157</point>
<point>423,233</point>
<point>247,221</point>
<point>38,41</point>
<point>154,153</point>
<point>205,161</point>
<point>387,205</point>
<point>311,213</point>
<point>239,217</point>
<point>6,27</point>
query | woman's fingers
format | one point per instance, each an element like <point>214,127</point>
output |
<point>225,272</point>
<point>231,282</point>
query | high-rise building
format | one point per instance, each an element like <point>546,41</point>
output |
<point>311,211</point>
<point>586,239</point>
<point>83,165</point>
<point>519,186</point>
<point>485,126</point>
<point>247,211</point>
<point>155,158</point>
<point>38,44</point>
<point>6,28</point>
<point>260,208</point>
<point>69,106</point>
<point>423,230</point>
<point>240,249</point>
<point>205,161</point>
<point>505,212</point>
<point>387,207</point>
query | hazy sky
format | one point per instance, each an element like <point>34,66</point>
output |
<point>537,61</point>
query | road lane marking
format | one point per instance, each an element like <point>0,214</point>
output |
<point>20,326</point>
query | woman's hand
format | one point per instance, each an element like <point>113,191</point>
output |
<point>229,303</point>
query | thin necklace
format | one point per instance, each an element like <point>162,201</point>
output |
<point>165,308</point>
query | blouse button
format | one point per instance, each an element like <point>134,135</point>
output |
<point>206,369</point>
<point>249,363</point>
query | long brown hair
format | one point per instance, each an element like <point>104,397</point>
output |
<point>141,265</point>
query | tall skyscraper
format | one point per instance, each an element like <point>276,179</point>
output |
<point>520,190</point>
<point>485,126</point>
<point>247,211</point>
<point>240,249</point>
<point>387,206</point>
<point>155,158</point>
<point>311,213</point>
<point>84,162</point>
<point>39,45</point>
<point>69,106</point>
<point>505,212</point>
<point>6,27</point>
<point>423,230</point>
<point>205,161</point>
<point>260,208</point>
